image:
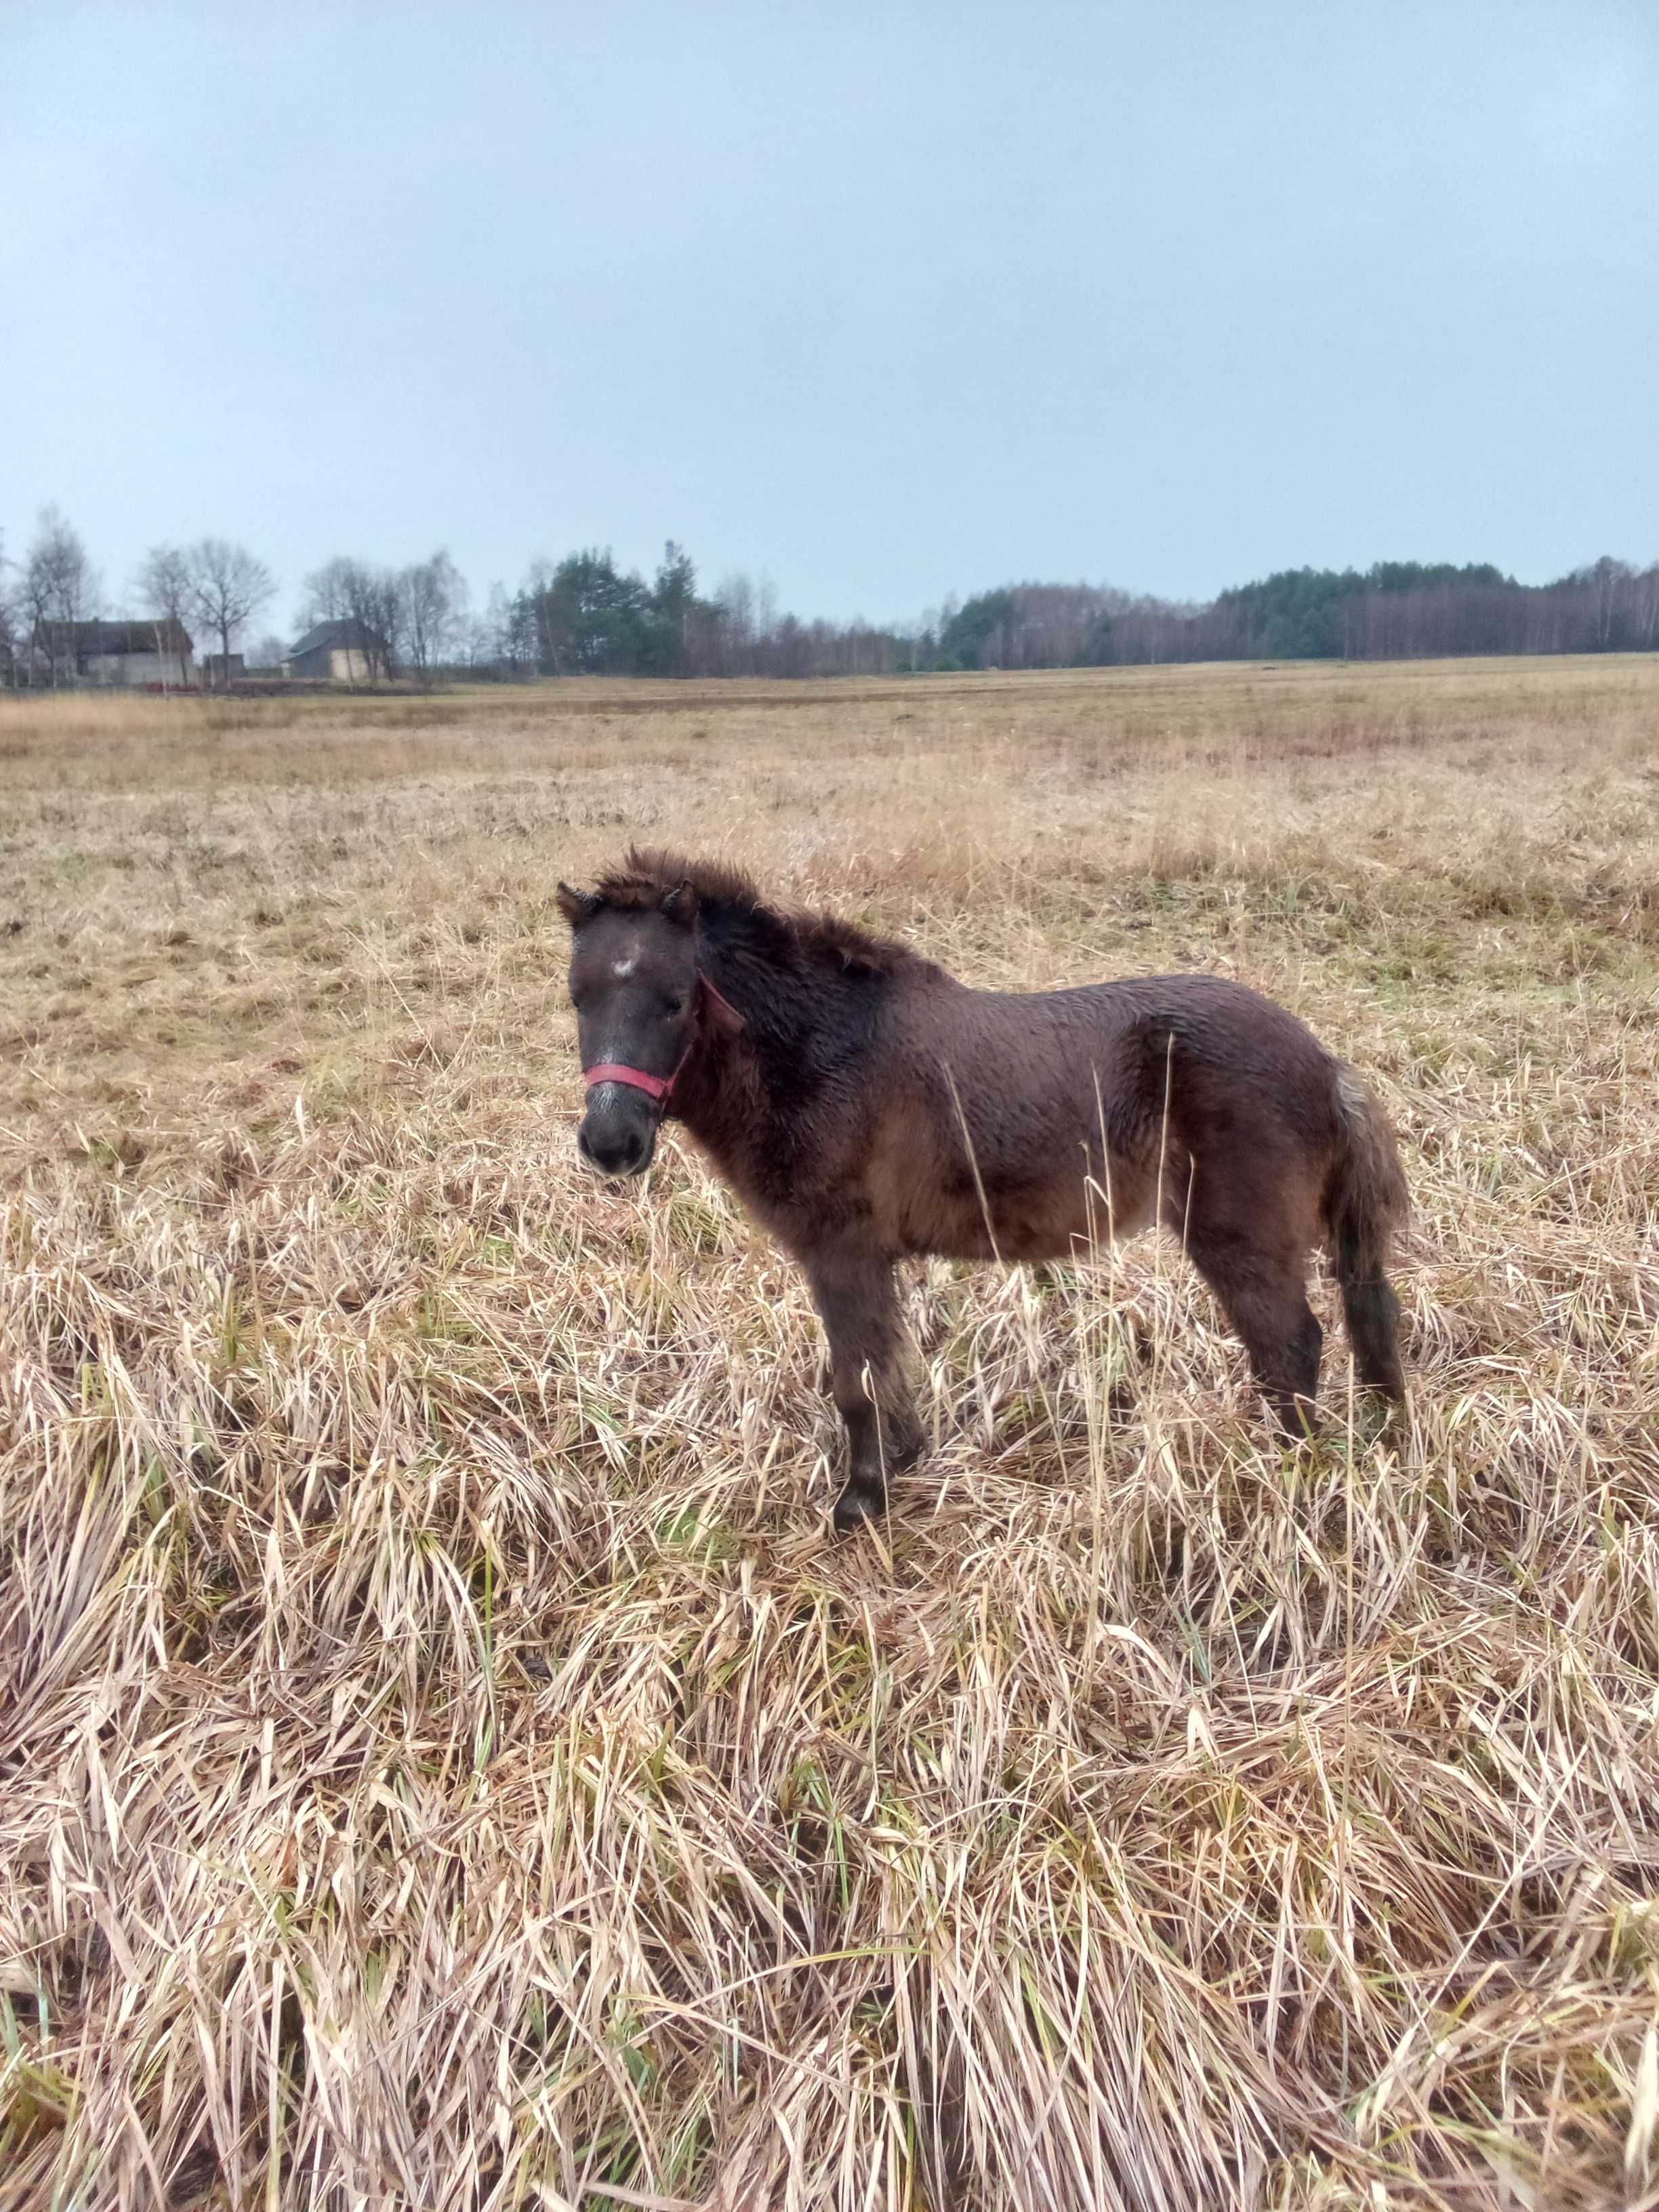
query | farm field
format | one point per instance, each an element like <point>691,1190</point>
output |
<point>445,1760</point>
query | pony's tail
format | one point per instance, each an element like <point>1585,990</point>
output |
<point>1363,1206</point>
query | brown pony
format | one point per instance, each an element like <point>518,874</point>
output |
<point>869,1107</point>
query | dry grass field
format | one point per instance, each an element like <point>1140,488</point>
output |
<point>445,1759</point>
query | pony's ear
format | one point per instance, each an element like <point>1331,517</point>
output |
<point>578,907</point>
<point>680,904</point>
<point>722,1013</point>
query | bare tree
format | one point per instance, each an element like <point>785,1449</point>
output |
<point>513,621</point>
<point>348,591</point>
<point>60,589</point>
<point>1608,582</point>
<point>7,619</point>
<point>735,596</point>
<point>432,603</point>
<point>490,638</point>
<point>766,608</point>
<point>7,622</point>
<point>228,587</point>
<point>164,593</point>
<point>324,596</point>
<point>378,607</point>
<point>1646,604</point>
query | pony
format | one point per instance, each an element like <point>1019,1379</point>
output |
<point>868,1107</point>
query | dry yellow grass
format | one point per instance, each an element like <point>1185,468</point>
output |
<point>445,1760</point>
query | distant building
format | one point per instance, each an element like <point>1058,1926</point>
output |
<point>333,653</point>
<point>222,669</point>
<point>135,654</point>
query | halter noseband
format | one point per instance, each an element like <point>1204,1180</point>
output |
<point>706,1000</point>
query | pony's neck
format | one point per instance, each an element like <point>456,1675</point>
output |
<point>742,1093</point>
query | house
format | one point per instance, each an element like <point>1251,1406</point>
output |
<point>335,652</point>
<point>156,654</point>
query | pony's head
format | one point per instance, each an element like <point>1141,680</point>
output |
<point>642,1007</point>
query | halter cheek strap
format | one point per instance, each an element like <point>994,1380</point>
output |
<point>708,1003</point>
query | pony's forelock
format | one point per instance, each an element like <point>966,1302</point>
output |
<point>650,873</point>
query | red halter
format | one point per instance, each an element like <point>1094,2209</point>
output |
<point>706,1000</point>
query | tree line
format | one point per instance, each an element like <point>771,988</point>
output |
<point>1395,609</point>
<point>585,615</point>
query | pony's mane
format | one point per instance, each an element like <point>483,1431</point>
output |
<point>725,893</point>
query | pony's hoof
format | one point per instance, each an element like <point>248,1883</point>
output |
<point>1381,1418</point>
<point>1298,1422</point>
<point>857,1503</point>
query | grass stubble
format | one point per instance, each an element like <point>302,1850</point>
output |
<point>444,1758</point>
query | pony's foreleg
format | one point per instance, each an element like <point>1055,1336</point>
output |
<point>858,1299</point>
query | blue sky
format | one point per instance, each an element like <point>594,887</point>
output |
<point>881,302</point>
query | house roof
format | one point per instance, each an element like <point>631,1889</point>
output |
<point>165,636</point>
<point>331,636</point>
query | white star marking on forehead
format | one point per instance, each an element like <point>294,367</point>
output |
<point>625,967</point>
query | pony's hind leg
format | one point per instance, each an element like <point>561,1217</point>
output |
<point>1263,1293</point>
<point>1373,1313</point>
<point>856,1296</point>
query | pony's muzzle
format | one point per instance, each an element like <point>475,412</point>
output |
<point>618,1133</point>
